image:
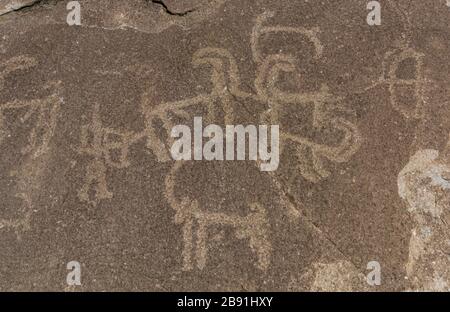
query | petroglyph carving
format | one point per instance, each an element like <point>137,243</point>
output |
<point>163,114</point>
<point>259,29</point>
<point>311,155</point>
<point>42,115</point>
<point>44,110</point>
<point>47,111</point>
<point>28,178</point>
<point>392,62</point>
<point>424,184</point>
<point>313,167</point>
<point>99,143</point>
<point>14,64</point>
<point>226,89</point>
<point>417,84</point>
<point>226,96</point>
<point>253,227</point>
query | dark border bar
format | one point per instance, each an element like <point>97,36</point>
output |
<point>212,301</point>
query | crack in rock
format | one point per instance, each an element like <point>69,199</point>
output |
<point>170,12</point>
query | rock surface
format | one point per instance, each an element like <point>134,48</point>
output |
<point>86,173</point>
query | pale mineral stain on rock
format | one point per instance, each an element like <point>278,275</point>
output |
<point>340,276</point>
<point>423,184</point>
<point>337,276</point>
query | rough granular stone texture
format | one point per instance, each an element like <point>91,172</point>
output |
<point>86,172</point>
